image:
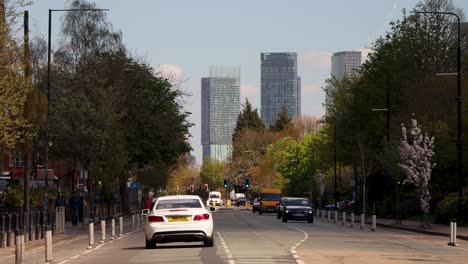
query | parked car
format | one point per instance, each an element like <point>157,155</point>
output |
<point>297,209</point>
<point>255,205</point>
<point>179,218</point>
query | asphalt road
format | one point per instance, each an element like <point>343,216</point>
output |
<point>244,237</point>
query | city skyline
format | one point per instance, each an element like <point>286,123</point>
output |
<point>218,35</point>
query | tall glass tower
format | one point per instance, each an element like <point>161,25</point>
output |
<point>280,86</point>
<point>220,108</point>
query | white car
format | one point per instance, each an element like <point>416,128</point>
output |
<point>179,218</point>
<point>214,197</point>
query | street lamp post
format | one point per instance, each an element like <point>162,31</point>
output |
<point>459,120</point>
<point>47,128</point>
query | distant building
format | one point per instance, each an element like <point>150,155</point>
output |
<point>280,86</point>
<point>220,108</point>
<point>344,64</point>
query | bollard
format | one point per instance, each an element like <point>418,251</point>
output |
<point>91,234</point>
<point>453,233</point>
<point>374,222</point>
<point>138,220</point>
<point>31,226</point>
<point>18,251</point>
<point>329,216</point>
<point>25,226</point>
<point>113,228</point>
<point>120,225</point>
<point>352,220</point>
<point>3,243</point>
<point>22,243</point>
<point>9,234</point>
<point>103,230</point>
<point>336,217</point>
<point>344,218</point>
<point>38,220</point>
<point>48,244</point>
<point>133,221</point>
<point>362,221</point>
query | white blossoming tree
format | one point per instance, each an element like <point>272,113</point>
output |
<point>416,152</point>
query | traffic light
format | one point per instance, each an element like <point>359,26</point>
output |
<point>192,188</point>
<point>225,183</point>
<point>247,183</point>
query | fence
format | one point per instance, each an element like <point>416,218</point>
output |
<point>32,224</point>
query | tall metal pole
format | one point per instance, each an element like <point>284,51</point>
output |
<point>388,107</point>
<point>26,158</point>
<point>46,144</point>
<point>336,193</point>
<point>459,141</point>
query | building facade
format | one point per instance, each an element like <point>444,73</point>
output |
<point>220,108</point>
<point>280,86</point>
<point>343,64</point>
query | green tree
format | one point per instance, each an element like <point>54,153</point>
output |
<point>282,122</point>
<point>248,118</point>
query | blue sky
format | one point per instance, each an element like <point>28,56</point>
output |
<point>184,37</point>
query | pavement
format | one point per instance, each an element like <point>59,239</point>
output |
<point>75,239</point>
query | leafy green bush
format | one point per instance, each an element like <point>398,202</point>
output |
<point>448,208</point>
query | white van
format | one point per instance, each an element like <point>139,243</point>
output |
<point>214,197</point>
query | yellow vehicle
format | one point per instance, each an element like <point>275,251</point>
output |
<point>269,198</point>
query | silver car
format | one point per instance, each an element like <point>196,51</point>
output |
<point>179,218</point>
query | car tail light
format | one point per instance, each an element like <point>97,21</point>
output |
<point>201,217</point>
<point>155,219</point>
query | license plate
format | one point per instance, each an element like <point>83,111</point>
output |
<point>178,218</point>
<point>298,214</point>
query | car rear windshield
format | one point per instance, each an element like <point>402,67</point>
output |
<point>270,196</point>
<point>178,203</point>
<point>298,202</point>
<point>214,195</point>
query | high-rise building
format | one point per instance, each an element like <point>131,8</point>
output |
<point>343,64</point>
<point>220,108</point>
<point>280,86</point>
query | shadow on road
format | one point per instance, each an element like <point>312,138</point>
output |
<point>159,246</point>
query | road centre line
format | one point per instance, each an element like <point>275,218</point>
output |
<point>293,251</point>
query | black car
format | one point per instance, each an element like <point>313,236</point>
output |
<point>297,209</point>
<point>279,207</point>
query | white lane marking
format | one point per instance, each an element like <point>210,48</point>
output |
<point>293,251</point>
<point>96,247</point>
<point>226,249</point>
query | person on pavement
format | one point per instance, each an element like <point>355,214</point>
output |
<point>74,206</point>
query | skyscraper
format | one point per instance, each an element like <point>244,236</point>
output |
<point>280,86</point>
<point>343,64</point>
<point>220,108</point>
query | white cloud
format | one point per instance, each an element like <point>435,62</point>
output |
<point>310,88</point>
<point>317,59</point>
<point>170,71</point>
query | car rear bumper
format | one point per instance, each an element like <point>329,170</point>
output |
<point>179,236</point>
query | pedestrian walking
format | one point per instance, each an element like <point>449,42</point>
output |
<point>74,206</point>
<point>60,201</point>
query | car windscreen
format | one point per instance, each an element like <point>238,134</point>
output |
<point>178,203</point>
<point>214,195</point>
<point>270,196</point>
<point>298,202</point>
